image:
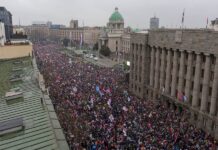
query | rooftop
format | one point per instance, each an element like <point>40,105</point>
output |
<point>116,16</point>
<point>40,127</point>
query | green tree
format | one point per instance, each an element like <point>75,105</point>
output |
<point>95,47</point>
<point>105,51</point>
<point>65,42</point>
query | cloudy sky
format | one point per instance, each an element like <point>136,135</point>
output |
<point>96,12</point>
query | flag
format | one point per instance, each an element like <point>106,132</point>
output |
<point>97,88</point>
<point>184,98</point>
<point>183,18</point>
<point>180,96</point>
<point>183,15</point>
<point>81,39</point>
<point>207,22</point>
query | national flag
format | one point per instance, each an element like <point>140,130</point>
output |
<point>81,39</point>
<point>97,88</point>
<point>183,16</point>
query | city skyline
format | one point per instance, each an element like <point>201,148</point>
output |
<point>97,13</point>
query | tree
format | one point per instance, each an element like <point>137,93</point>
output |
<point>105,51</point>
<point>66,42</point>
<point>95,47</point>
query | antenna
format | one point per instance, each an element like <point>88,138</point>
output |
<point>19,21</point>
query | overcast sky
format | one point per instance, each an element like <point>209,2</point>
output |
<point>136,13</point>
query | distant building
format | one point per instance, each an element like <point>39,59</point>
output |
<point>2,34</point>
<point>56,26</point>
<point>49,24</point>
<point>18,30</point>
<point>37,32</point>
<point>74,24</point>
<point>6,18</point>
<point>154,23</point>
<point>214,24</point>
<point>116,37</point>
<point>111,37</point>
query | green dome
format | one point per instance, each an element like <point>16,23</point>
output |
<point>136,30</point>
<point>116,16</point>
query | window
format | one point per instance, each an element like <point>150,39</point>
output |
<point>202,73</point>
<point>135,87</point>
<point>211,75</point>
<point>201,87</point>
<point>193,71</point>
<point>210,91</point>
<point>192,85</point>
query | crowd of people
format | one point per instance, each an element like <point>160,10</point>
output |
<point>97,112</point>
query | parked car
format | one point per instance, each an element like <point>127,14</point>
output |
<point>96,58</point>
<point>91,56</point>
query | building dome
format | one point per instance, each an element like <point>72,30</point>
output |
<point>116,16</point>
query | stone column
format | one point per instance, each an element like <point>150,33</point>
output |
<point>168,71</point>
<point>131,67</point>
<point>162,70</point>
<point>174,75</point>
<point>157,69</point>
<point>189,76</point>
<point>197,81</point>
<point>181,72</point>
<point>152,68</point>
<point>206,81</point>
<point>214,95</point>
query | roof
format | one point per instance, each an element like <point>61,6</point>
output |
<point>116,16</point>
<point>41,127</point>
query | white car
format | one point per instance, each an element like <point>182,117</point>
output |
<point>95,58</point>
<point>91,56</point>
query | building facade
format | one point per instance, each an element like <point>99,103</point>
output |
<point>86,35</point>
<point>6,18</point>
<point>125,46</point>
<point>214,24</point>
<point>37,32</point>
<point>91,35</point>
<point>74,24</point>
<point>179,68</point>
<point>154,23</point>
<point>115,36</point>
<point>114,31</point>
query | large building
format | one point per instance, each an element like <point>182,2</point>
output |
<point>214,24</point>
<point>154,23</point>
<point>74,24</point>
<point>37,31</point>
<point>115,36</point>
<point>6,18</point>
<point>180,68</point>
<point>115,29</point>
<point>88,36</point>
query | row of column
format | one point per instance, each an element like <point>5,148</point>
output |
<point>158,75</point>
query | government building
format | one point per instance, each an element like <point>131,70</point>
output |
<point>178,67</point>
<point>115,36</point>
